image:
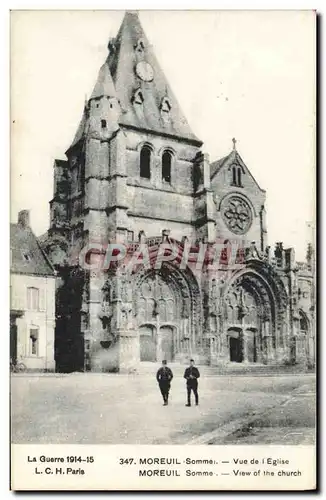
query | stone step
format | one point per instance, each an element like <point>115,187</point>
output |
<point>225,369</point>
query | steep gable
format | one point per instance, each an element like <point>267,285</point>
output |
<point>26,254</point>
<point>147,102</point>
<point>226,162</point>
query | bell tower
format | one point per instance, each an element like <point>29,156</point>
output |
<point>128,170</point>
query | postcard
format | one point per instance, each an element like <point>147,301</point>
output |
<point>162,250</point>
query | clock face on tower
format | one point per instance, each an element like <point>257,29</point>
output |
<point>145,71</point>
<point>236,214</point>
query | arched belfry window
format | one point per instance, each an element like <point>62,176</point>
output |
<point>166,166</point>
<point>234,176</point>
<point>145,162</point>
<point>237,176</point>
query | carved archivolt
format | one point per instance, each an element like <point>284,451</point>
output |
<point>247,301</point>
<point>168,293</point>
<point>256,296</point>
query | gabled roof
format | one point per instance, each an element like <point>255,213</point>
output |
<point>117,78</point>
<point>27,256</point>
<point>217,165</point>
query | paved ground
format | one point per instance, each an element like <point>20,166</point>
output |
<point>126,409</point>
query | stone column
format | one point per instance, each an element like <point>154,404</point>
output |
<point>213,350</point>
<point>186,338</point>
<point>129,353</point>
<point>266,343</point>
<point>95,327</point>
<point>269,349</point>
<point>128,338</point>
<point>244,338</point>
<point>259,346</point>
<point>159,353</point>
<point>224,355</point>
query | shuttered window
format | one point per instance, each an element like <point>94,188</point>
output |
<point>33,299</point>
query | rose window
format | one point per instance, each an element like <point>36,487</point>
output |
<point>237,215</point>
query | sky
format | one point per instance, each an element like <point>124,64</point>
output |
<point>243,74</point>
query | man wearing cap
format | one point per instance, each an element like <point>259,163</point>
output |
<point>192,375</point>
<point>164,377</point>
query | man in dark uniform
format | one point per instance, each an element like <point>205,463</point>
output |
<point>191,375</point>
<point>164,377</point>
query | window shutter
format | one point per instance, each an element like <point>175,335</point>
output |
<point>17,298</point>
<point>42,300</point>
<point>29,298</point>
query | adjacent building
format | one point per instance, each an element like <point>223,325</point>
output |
<point>135,173</point>
<point>32,299</point>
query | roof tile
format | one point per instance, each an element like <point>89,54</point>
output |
<point>26,254</point>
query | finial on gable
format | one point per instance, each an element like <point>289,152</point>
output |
<point>234,144</point>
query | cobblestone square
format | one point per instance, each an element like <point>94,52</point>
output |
<point>127,409</point>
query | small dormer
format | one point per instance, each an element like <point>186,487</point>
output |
<point>140,46</point>
<point>165,106</point>
<point>138,97</point>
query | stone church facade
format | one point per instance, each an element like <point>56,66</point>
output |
<point>136,176</point>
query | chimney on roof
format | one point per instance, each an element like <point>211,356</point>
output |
<point>23,218</point>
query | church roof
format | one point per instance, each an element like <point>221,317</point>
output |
<point>27,256</point>
<point>117,77</point>
<point>217,165</point>
<point>80,130</point>
<point>122,62</point>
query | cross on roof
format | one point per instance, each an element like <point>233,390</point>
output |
<point>234,143</point>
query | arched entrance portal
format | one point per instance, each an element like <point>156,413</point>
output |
<point>249,319</point>
<point>164,315</point>
<point>157,314</point>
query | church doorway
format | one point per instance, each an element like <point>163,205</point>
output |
<point>147,343</point>
<point>235,345</point>
<point>157,305</point>
<point>249,307</point>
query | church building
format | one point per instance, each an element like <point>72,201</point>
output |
<point>135,174</point>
